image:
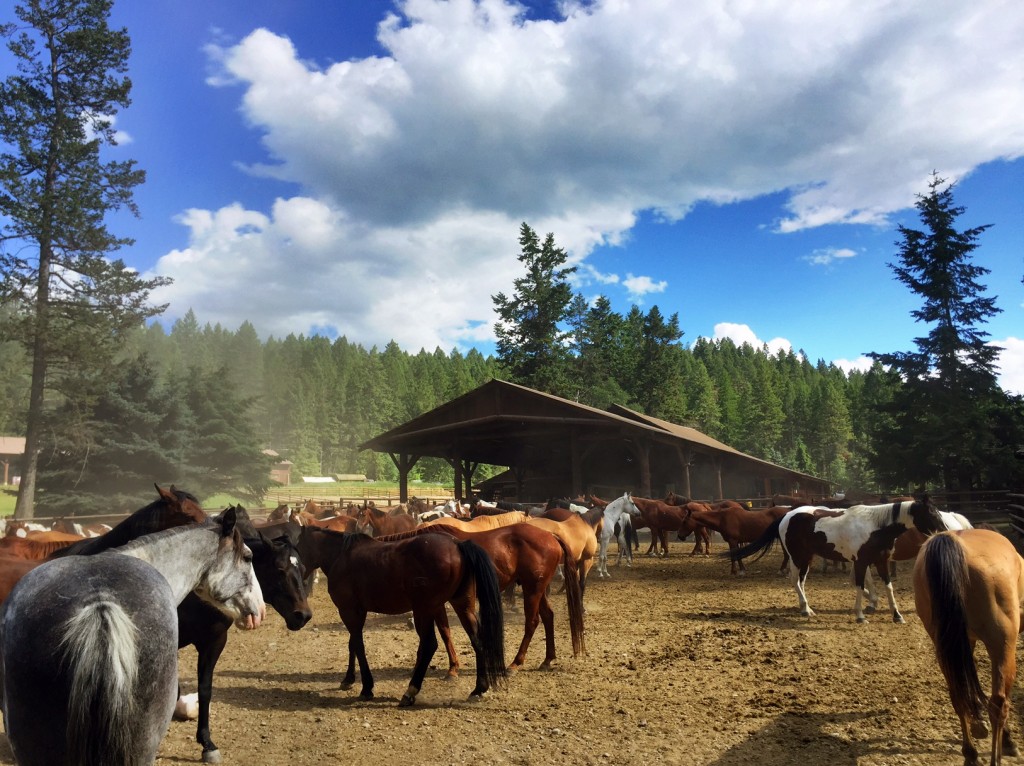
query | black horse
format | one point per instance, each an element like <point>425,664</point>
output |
<point>279,571</point>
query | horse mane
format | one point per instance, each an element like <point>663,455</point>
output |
<point>144,521</point>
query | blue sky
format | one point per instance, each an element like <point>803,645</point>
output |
<point>361,167</point>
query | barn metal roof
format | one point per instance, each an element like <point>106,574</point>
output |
<point>503,423</point>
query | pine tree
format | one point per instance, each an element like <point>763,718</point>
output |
<point>55,115</point>
<point>941,415</point>
<point>530,339</point>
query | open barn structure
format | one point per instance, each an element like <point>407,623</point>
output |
<point>556,447</point>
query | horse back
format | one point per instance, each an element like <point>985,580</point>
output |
<point>121,719</point>
<point>391,577</point>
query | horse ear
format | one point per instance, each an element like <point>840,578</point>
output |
<point>228,521</point>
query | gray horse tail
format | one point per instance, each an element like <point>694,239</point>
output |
<point>100,652</point>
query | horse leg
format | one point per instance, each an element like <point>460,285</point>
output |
<point>208,654</point>
<point>798,575</point>
<point>357,652</point>
<point>1002,654</point>
<point>663,539</point>
<point>859,575</point>
<point>734,567</point>
<point>424,623</point>
<point>883,571</point>
<point>651,549</point>
<point>446,637</point>
<point>531,617</point>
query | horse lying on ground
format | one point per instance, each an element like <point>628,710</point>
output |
<point>969,586</point>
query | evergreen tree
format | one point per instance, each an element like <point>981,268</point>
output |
<point>222,452</point>
<point>944,407</point>
<point>55,115</point>
<point>107,458</point>
<point>531,344</point>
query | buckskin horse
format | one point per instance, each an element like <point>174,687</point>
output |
<point>420,574</point>
<point>968,586</point>
<point>863,534</point>
<point>88,644</point>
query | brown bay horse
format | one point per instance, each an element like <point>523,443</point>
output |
<point>968,587</point>
<point>419,574</point>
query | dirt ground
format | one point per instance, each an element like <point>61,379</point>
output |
<point>685,664</point>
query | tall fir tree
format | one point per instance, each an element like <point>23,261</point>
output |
<point>942,414</point>
<point>56,113</point>
<point>531,342</point>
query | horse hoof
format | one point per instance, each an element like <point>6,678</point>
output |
<point>451,674</point>
<point>475,697</point>
<point>862,619</point>
<point>346,685</point>
<point>366,696</point>
<point>406,701</point>
<point>1010,749</point>
<point>978,728</point>
<point>869,610</point>
<point>211,756</point>
<point>898,619</point>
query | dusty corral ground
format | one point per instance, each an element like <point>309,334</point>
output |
<point>685,665</point>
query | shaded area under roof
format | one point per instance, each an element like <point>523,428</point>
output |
<point>541,435</point>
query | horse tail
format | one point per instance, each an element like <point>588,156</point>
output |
<point>945,569</point>
<point>632,536</point>
<point>760,546</point>
<point>491,625</point>
<point>99,645</point>
<point>573,600</point>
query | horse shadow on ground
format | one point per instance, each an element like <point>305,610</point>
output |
<point>782,618</point>
<point>315,695</point>
<point>805,738</point>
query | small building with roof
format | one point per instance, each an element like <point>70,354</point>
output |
<point>556,447</point>
<point>12,449</point>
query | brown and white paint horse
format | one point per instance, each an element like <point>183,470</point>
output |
<point>863,534</point>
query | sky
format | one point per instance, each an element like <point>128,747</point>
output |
<point>362,167</point>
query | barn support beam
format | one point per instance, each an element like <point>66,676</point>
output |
<point>404,463</point>
<point>717,464</point>
<point>577,463</point>
<point>685,460</point>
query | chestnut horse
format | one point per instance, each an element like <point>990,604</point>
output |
<point>662,518</point>
<point>736,524</point>
<point>528,556</point>
<point>378,523</point>
<point>969,586</point>
<point>701,536</point>
<point>419,574</point>
<point>863,534</point>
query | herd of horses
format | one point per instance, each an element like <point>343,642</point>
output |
<point>90,625</point>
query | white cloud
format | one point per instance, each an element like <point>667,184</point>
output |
<point>861,363</point>
<point>829,255</point>
<point>638,287</point>
<point>741,333</point>
<point>1011,364</point>
<point>415,168</point>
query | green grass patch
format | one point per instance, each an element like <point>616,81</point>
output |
<point>8,497</point>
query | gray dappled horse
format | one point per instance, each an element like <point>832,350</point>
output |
<point>89,644</point>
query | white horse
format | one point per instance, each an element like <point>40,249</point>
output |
<point>617,512</point>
